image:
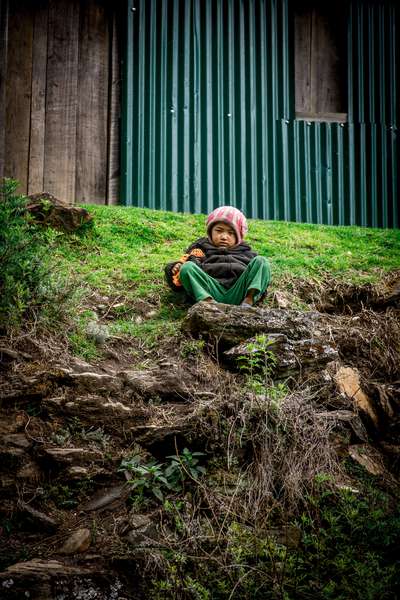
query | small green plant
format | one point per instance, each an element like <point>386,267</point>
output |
<point>258,363</point>
<point>192,348</point>
<point>148,479</point>
<point>96,436</point>
<point>157,479</point>
<point>174,509</point>
<point>183,466</point>
<point>61,437</point>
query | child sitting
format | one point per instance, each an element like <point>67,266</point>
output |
<point>221,267</point>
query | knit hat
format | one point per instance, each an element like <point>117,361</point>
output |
<point>230,215</point>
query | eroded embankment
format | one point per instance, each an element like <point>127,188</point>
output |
<point>270,397</point>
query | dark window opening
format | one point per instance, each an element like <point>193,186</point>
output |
<point>320,57</point>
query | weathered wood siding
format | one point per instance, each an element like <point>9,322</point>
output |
<point>59,97</point>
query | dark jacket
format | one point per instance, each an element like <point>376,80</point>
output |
<point>224,264</point>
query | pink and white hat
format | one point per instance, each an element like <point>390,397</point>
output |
<point>230,215</point>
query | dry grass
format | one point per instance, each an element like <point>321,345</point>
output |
<point>291,448</point>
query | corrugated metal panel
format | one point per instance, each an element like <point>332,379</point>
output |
<point>373,112</point>
<point>209,115</point>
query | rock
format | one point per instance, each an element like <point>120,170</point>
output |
<point>79,541</point>
<point>66,456</point>
<point>288,356</point>
<point>348,382</point>
<point>385,398</point>
<point>42,568</point>
<point>138,521</point>
<point>95,382</point>
<point>367,457</point>
<point>50,211</point>
<point>231,325</point>
<point>38,518</point>
<point>17,439</point>
<point>281,300</point>
<point>76,472</point>
<point>169,382</point>
<point>348,417</point>
<point>80,366</point>
<point>8,355</point>
<point>149,435</point>
<point>103,498</point>
<point>144,531</point>
<point>53,580</point>
<point>90,408</point>
<point>98,332</point>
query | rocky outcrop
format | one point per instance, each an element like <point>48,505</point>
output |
<point>231,325</point>
<point>294,341</point>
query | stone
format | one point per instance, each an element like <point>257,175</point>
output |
<point>148,435</point>
<point>12,457</point>
<point>169,382</point>
<point>78,365</point>
<point>66,456</point>
<point>38,518</point>
<point>76,472</point>
<point>42,568</point>
<point>97,332</point>
<point>90,408</point>
<point>8,355</point>
<point>95,382</point>
<point>50,211</point>
<point>17,439</point>
<point>78,542</point>
<point>54,580</point>
<point>103,498</point>
<point>367,457</point>
<point>144,531</point>
<point>348,382</point>
<point>281,299</point>
<point>385,398</point>
<point>231,325</point>
<point>391,449</point>
<point>348,417</point>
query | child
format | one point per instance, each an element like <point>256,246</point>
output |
<point>221,267</point>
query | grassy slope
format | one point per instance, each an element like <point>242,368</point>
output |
<point>129,247</point>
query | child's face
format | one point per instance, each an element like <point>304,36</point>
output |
<point>223,236</point>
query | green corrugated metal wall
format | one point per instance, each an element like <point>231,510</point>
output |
<point>208,115</point>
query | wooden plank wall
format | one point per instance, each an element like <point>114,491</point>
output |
<point>320,32</point>
<point>60,97</point>
<point>3,72</point>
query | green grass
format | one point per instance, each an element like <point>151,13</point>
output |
<point>129,247</point>
<point>126,252</point>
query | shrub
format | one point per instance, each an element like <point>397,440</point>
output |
<point>27,281</point>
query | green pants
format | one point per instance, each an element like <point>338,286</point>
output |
<point>200,286</point>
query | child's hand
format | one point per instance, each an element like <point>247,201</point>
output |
<point>176,268</point>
